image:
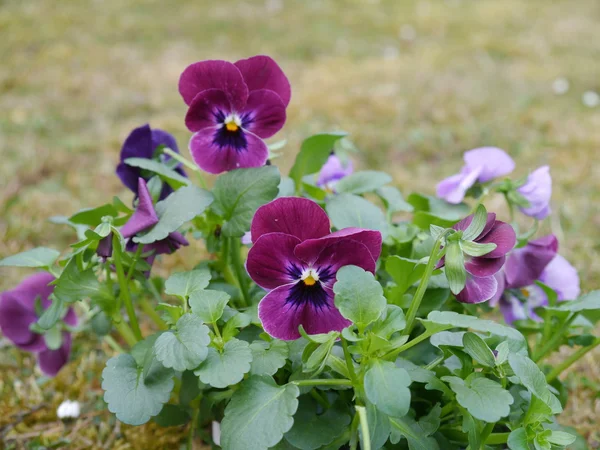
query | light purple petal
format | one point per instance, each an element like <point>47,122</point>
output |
<point>333,170</point>
<point>280,318</point>
<point>264,114</point>
<point>512,309</point>
<point>247,238</point>
<point>454,188</point>
<point>484,267</point>
<point>538,191</point>
<point>536,297</point>
<point>51,361</point>
<point>216,159</point>
<point>271,258</point>
<point>262,72</point>
<point>71,318</point>
<point>15,319</point>
<point>525,265</point>
<point>500,279</point>
<point>493,162</point>
<point>297,216</point>
<point>144,216</point>
<point>214,74</point>
<point>561,276</point>
<point>204,109</point>
<point>478,290</point>
<point>501,234</point>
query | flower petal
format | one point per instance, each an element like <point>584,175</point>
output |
<point>512,309</point>
<point>484,267</point>
<point>499,276</point>
<point>454,188</point>
<point>501,234</point>
<point>208,109</point>
<point>51,361</point>
<point>161,137</point>
<point>262,72</point>
<point>214,74</point>
<point>464,224</point>
<point>525,265</point>
<point>264,114</point>
<point>478,290</point>
<point>493,161</point>
<point>297,216</point>
<point>333,170</point>
<point>215,155</point>
<point>538,191</point>
<point>271,261</point>
<point>144,216</point>
<point>561,276</point>
<point>15,319</point>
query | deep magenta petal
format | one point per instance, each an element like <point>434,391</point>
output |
<point>206,108</point>
<point>264,114</point>
<point>214,74</point>
<point>369,238</point>
<point>296,216</point>
<point>501,234</point>
<point>262,72</point>
<point>271,260</point>
<point>525,265</point>
<point>144,216</point>
<point>51,361</point>
<point>478,290</point>
<point>464,224</point>
<point>484,267</point>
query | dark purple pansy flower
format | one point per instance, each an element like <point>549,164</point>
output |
<point>538,191</point>
<point>296,257</point>
<point>232,108</point>
<point>481,285</point>
<point>481,164</point>
<point>142,142</point>
<point>18,313</point>
<point>145,217</point>
<point>333,171</point>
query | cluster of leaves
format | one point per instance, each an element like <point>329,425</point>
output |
<point>415,369</point>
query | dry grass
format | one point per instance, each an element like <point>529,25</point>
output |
<point>415,83</point>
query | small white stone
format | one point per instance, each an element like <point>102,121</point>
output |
<point>591,99</point>
<point>68,410</point>
<point>216,432</point>
<point>560,86</point>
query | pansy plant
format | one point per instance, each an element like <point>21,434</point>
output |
<point>350,318</point>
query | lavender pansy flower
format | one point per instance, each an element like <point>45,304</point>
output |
<point>142,142</point>
<point>537,190</point>
<point>561,276</point>
<point>481,285</point>
<point>232,108</point>
<point>296,257</point>
<point>18,313</point>
<point>333,171</point>
<point>481,165</point>
<point>144,218</point>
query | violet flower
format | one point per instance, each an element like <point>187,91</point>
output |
<point>232,108</point>
<point>481,165</point>
<point>142,142</point>
<point>296,257</point>
<point>145,217</point>
<point>333,171</point>
<point>537,190</point>
<point>18,313</point>
<point>481,285</point>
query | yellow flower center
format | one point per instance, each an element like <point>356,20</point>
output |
<point>525,292</point>
<point>310,277</point>
<point>231,126</point>
<point>309,281</point>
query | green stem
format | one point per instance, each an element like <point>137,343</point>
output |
<point>485,433</point>
<point>136,258</point>
<point>555,341</point>
<point>434,363</point>
<point>113,344</point>
<point>459,436</point>
<point>354,432</point>
<point>323,382</point>
<point>236,261</point>
<point>125,331</point>
<point>320,399</point>
<point>391,355</point>
<point>190,165</point>
<point>348,358</point>
<point>570,360</point>
<point>124,288</point>
<point>364,427</point>
<point>150,312</point>
<point>192,431</point>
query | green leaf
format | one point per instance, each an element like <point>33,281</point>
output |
<point>455,267</point>
<point>172,416</point>
<point>517,439</point>
<point>259,414</point>
<point>534,380</point>
<point>36,257</point>
<point>393,200</point>
<point>52,314</point>
<point>313,154</point>
<point>478,350</point>
<point>436,231</point>
<point>417,434</point>
<point>229,367</point>
<point>358,296</point>
<point>185,347</point>
<point>311,430</point>
<point>170,176</point>
<point>181,206</point>
<point>172,313</point>
<point>133,399</point>
<point>286,187</point>
<point>208,304</point>
<point>393,322</point>
<point>268,357</point>
<point>362,182</point>
<point>477,224</point>
<point>316,360</point>
<point>589,301</point>
<point>53,338</point>
<point>347,210</point>
<point>405,272</point>
<point>561,438</point>
<point>386,386</point>
<point>93,216</point>
<point>476,249</point>
<point>431,210</point>
<point>485,399</point>
<point>379,426</point>
<point>239,193</point>
<point>73,285</point>
<point>183,284</point>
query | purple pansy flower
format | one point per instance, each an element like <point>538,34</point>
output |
<point>481,285</point>
<point>333,171</point>
<point>145,217</point>
<point>232,108</point>
<point>561,276</point>
<point>537,190</point>
<point>142,142</point>
<point>481,164</point>
<point>18,313</point>
<point>296,257</point>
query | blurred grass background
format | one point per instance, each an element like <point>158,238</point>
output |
<point>415,83</point>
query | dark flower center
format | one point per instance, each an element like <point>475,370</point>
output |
<point>310,286</point>
<point>230,132</point>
